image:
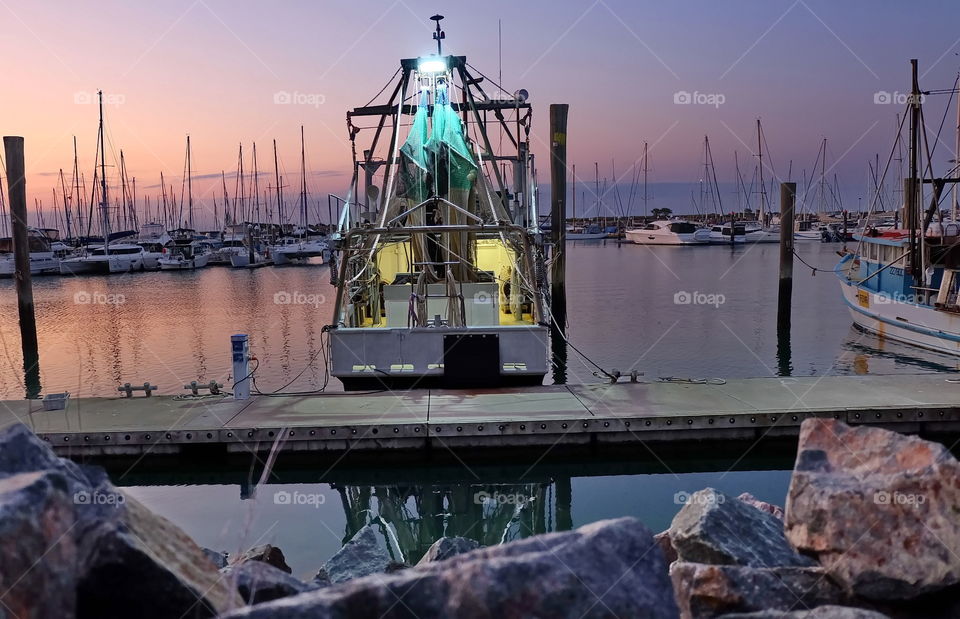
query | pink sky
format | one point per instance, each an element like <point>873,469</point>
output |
<point>212,69</point>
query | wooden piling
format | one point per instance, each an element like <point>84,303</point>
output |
<point>558,228</point>
<point>17,194</point>
<point>788,196</point>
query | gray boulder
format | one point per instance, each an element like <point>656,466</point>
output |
<point>38,553</point>
<point>718,529</point>
<point>363,555</point>
<point>260,582</point>
<point>219,559</point>
<point>264,553</point>
<point>127,561</point>
<point>447,547</point>
<point>712,590</point>
<point>611,568</point>
<point>880,510</point>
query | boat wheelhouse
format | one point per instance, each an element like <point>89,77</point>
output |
<point>675,232</point>
<point>438,255</point>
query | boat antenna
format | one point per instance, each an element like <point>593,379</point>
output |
<point>439,35</point>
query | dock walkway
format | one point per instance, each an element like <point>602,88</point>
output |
<point>743,409</point>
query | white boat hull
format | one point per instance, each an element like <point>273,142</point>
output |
<point>586,236</point>
<point>100,264</point>
<point>41,263</point>
<point>654,237</point>
<point>920,325</point>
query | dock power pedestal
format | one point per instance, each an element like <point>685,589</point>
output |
<point>241,366</point>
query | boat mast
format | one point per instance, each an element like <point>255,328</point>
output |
<point>189,187</point>
<point>76,182</point>
<point>910,214</point>
<point>644,180</point>
<point>66,203</point>
<point>276,174</point>
<point>255,208</point>
<point>763,188</point>
<point>104,213</point>
<point>564,223</point>
<point>956,162</point>
<point>303,184</point>
<point>823,166</point>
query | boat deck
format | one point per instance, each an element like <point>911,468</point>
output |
<point>549,416</point>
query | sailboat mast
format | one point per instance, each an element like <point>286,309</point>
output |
<point>76,182</point>
<point>189,187</point>
<point>763,188</point>
<point>276,174</point>
<point>956,163</point>
<point>645,167</point>
<point>564,223</point>
<point>910,216</point>
<point>255,210</point>
<point>823,167</point>
<point>303,183</point>
<point>66,203</point>
<point>104,213</point>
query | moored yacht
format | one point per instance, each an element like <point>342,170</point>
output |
<point>185,252</point>
<point>104,259</point>
<point>43,256</point>
<point>675,232</point>
<point>152,238</point>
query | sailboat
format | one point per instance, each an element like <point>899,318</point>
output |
<point>303,243</point>
<point>903,283</point>
<point>187,250</point>
<point>439,267</point>
<point>104,257</point>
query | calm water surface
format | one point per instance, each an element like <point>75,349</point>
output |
<point>626,310</point>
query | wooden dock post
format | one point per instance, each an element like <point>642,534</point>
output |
<point>17,193</point>
<point>558,229</point>
<point>788,196</point>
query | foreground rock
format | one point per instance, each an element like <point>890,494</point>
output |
<point>717,529</point>
<point>36,515</point>
<point>363,555</point>
<point>265,553</point>
<point>258,582</point>
<point>821,612</point>
<point>447,547</point>
<point>770,508</point>
<point>115,557</point>
<point>713,590</point>
<point>605,569</point>
<point>881,511</point>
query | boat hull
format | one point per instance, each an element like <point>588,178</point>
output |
<point>911,323</point>
<point>41,263</point>
<point>362,358</point>
<point>646,237</point>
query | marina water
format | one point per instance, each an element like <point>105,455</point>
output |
<point>695,312</point>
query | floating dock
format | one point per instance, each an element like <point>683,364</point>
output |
<point>586,416</point>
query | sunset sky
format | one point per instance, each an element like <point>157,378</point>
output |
<point>211,69</point>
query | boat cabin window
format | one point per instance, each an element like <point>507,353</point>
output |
<point>682,227</point>
<point>651,227</point>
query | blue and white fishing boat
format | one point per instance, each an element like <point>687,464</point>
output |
<point>902,283</point>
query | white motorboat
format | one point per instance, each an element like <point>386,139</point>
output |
<point>43,256</point>
<point>676,232</point>
<point>185,252</point>
<point>720,233</point>
<point>298,249</point>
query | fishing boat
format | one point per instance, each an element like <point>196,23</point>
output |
<point>902,283</point>
<point>185,252</point>
<point>43,256</point>
<point>438,258</point>
<point>673,232</point>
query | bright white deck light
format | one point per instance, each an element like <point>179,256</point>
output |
<point>431,65</point>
